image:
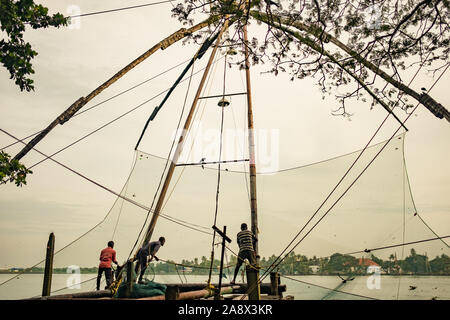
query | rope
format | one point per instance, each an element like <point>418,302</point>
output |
<point>191,266</point>
<point>100,185</point>
<point>319,286</point>
<point>123,201</point>
<point>173,143</point>
<point>120,9</point>
<point>274,265</point>
<point>218,166</point>
<point>166,165</point>
<point>198,55</point>
<point>195,136</point>
<point>162,175</point>
<point>414,205</point>
<point>111,98</point>
<point>398,245</point>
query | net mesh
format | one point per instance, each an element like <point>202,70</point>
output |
<point>350,249</point>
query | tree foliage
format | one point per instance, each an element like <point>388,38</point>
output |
<point>337,263</point>
<point>11,170</point>
<point>15,53</point>
<point>354,48</point>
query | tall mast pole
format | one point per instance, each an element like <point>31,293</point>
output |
<point>252,271</point>
<point>251,145</point>
<point>181,141</point>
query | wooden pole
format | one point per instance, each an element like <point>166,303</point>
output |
<point>199,294</point>
<point>252,171</point>
<point>251,145</point>
<point>181,140</point>
<point>77,105</point>
<point>130,280</point>
<point>46,288</point>
<point>274,282</point>
<point>223,234</point>
<point>79,295</point>
<point>254,289</point>
<point>217,297</point>
<point>172,292</point>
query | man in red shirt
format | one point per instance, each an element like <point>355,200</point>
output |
<point>107,256</point>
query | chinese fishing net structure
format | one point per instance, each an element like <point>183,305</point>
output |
<point>366,237</point>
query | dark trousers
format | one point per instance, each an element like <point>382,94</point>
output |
<point>141,263</point>
<point>244,254</point>
<point>108,276</point>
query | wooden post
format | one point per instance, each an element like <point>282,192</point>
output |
<point>46,288</point>
<point>198,294</point>
<point>224,238</point>
<point>172,292</point>
<point>274,282</point>
<point>254,289</point>
<point>130,280</point>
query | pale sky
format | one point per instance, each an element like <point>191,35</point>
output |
<point>72,62</point>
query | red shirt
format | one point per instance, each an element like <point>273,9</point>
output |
<point>106,257</point>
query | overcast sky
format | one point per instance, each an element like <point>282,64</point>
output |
<point>72,62</point>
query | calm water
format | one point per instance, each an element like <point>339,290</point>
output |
<point>406,287</point>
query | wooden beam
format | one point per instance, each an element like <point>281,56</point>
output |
<point>77,105</point>
<point>197,294</point>
<point>181,140</point>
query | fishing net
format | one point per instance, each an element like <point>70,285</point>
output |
<point>365,241</point>
<point>139,290</point>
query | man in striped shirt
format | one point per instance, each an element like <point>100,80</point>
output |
<point>246,240</point>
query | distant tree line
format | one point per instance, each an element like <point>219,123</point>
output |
<point>297,264</point>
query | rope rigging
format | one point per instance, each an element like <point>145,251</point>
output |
<point>121,9</point>
<point>113,97</point>
<point>275,264</point>
<point>198,56</point>
<point>166,164</point>
<point>218,166</point>
<point>279,260</point>
<point>359,156</point>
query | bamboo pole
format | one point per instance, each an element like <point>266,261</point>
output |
<point>251,144</point>
<point>253,281</point>
<point>198,294</point>
<point>181,140</point>
<point>183,288</point>
<point>274,282</point>
<point>80,295</point>
<point>77,105</point>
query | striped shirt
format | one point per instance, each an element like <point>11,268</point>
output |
<point>245,240</point>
